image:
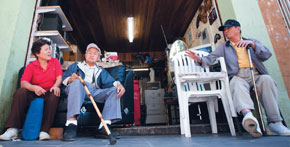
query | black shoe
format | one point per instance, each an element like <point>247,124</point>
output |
<point>101,133</point>
<point>70,133</point>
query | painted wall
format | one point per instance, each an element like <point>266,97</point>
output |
<point>16,20</point>
<point>279,36</point>
<point>248,13</point>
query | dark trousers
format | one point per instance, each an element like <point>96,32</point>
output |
<point>21,101</point>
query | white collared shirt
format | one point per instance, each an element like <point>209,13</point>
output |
<point>89,73</point>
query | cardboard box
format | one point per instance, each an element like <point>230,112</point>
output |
<point>154,96</point>
<point>155,108</point>
<point>66,64</point>
<point>55,133</point>
<point>74,55</point>
<point>156,119</point>
<point>111,56</point>
<point>153,85</point>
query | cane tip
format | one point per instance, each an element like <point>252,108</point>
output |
<point>112,139</point>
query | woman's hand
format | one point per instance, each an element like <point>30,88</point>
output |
<point>38,90</point>
<point>120,90</point>
<point>56,90</point>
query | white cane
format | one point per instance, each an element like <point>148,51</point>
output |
<point>255,88</point>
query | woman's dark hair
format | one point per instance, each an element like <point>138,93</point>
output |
<point>36,47</point>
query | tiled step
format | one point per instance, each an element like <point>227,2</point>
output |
<point>168,129</point>
<point>148,130</point>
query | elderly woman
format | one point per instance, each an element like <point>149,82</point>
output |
<point>41,78</point>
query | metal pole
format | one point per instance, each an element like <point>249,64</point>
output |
<point>255,88</point>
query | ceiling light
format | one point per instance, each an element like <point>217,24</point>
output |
<point>130,22</point>
<point>140,69</point>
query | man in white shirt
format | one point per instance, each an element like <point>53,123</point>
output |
<point>101,84</point>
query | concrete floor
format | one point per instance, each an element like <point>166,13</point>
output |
<point>198,140</point>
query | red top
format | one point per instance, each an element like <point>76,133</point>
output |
<point>36,75</point>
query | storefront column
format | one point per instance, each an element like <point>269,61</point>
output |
<point>16,19</point>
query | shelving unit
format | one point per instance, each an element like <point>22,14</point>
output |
<point>57,39</point>
<point>56,10</point>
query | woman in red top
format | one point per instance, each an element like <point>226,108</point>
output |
<point>41,78</point>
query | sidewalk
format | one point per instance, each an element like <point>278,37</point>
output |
<point>197,140</point>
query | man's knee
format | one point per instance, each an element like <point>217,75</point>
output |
<point>76,82</point>
<point>114,88</point>
<point>237,83</point>
<point>112,91</point>
<point>266,78</point>
<point>75,85</point>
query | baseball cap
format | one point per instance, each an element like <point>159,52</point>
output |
<point>229,23</point>
<point>93,45</point>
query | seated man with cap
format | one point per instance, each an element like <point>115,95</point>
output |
<point>103,88</point>
<point>238,67</point>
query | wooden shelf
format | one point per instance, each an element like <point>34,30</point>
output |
<point>56,10</point>
<point>56,38</point>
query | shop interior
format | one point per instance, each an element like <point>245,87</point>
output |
<point>143,60</point>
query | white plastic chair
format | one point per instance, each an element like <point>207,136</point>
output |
<point>190,79</point>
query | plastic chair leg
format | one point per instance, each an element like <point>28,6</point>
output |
<point>212,116</point>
